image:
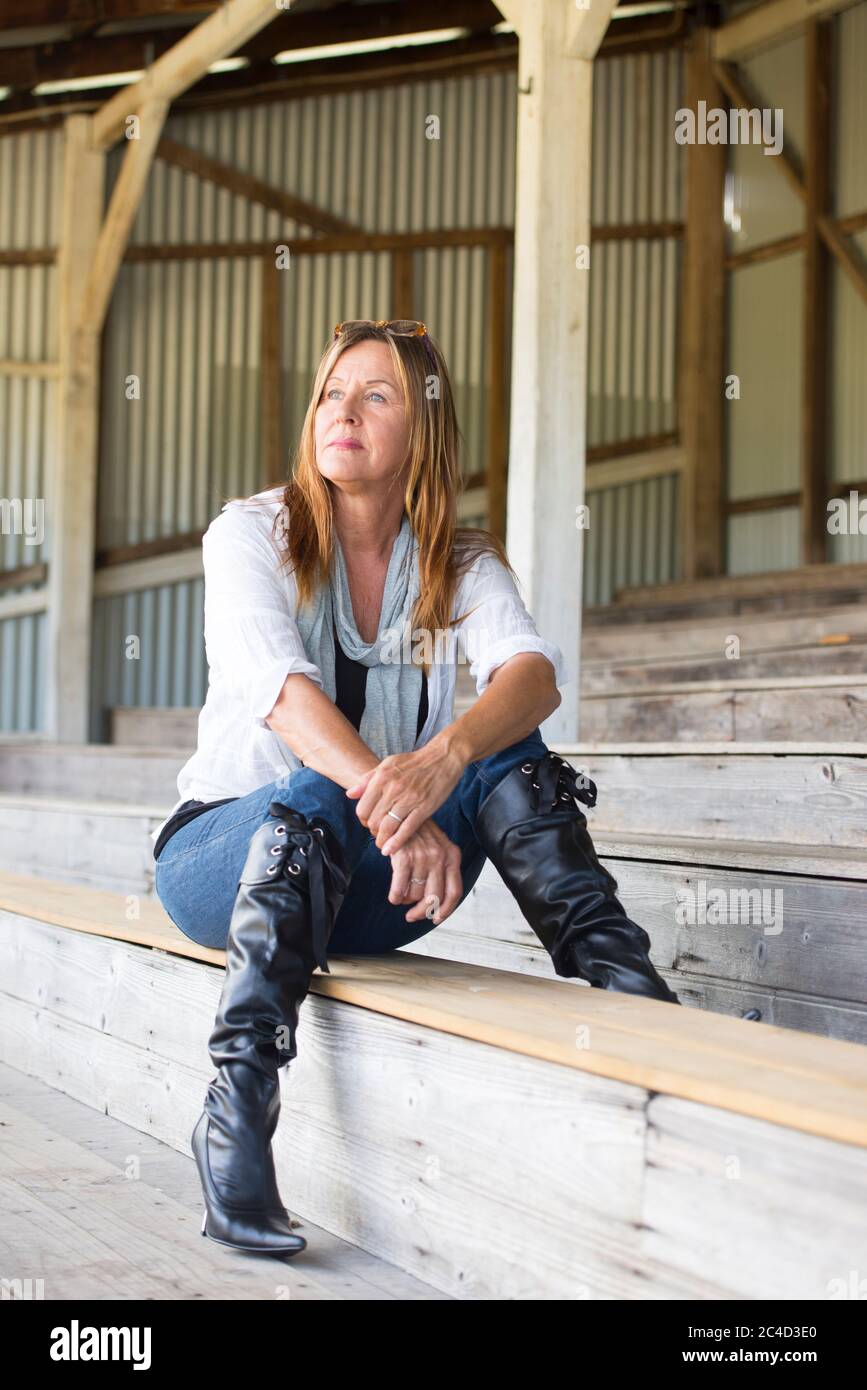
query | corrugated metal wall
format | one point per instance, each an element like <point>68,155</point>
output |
<point>633,532</point>
<point>636,177</point>
<point>634,303</point>
<point>30,165</point>
<point>766,307</point>
<point>764,337</point>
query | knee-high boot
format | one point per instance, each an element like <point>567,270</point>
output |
<point>536,836</point>
<point>293,883</point>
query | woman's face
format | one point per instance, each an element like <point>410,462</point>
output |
<point>362,402</point>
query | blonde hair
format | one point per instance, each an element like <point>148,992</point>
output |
<point>432,485</point>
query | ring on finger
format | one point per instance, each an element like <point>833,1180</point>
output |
<point>434,906</point>
<point>418,880</point>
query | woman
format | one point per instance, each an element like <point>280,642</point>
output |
<point>333,802</point>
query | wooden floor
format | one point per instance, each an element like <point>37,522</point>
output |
<point>98,1210</point>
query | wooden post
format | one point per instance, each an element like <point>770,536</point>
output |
<point>814,394</point>
<point>402,298</point>
<point>497,403</point>
<point>72,468</point>
<point>550,312</point>
<point>274,465</point>
<point>702,338</point>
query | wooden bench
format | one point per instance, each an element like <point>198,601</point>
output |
<point>496,1134</point>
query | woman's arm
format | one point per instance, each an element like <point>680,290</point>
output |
<point>319,733</point>
<point>520,695</point>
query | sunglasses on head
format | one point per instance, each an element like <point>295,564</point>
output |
<point>399,328</point>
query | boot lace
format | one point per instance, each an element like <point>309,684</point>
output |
<point>553,780</point>
<point>310,839</point>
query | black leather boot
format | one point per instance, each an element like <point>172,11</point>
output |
<point>536,836</point>
<point>294,881</point>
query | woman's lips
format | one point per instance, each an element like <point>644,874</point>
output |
<point>345,444</point>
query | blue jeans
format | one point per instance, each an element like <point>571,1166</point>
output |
<point>198,871</point>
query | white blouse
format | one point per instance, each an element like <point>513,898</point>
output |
<point>252,644</point>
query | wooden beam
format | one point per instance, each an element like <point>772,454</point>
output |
<point>255,190</point>
<point>497,403</point>
<point>768,23</point>
<point>848,256</point>
<point>23,574</point>
<point>147,550</point>
<point>125,200</point>
<point>72,468</point>
<point>770,502</point>
<point>274,462</point>
<point>218,36</point>
<point>621,448</point>
<point>702,348</point>
<point>324,245</point>
<point>768,251</point>
<point>743,98</point>
<point>814,387</point>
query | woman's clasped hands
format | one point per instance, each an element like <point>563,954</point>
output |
<point>426,865</point>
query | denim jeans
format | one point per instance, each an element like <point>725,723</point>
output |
<point>198,872</point>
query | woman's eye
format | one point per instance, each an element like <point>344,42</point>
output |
<point>330,393</point>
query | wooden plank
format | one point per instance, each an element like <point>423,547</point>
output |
<point>254,190</point>
<point>640,444</point>
<point>805,580</point>
<point>171,566</point>
<point>631,468</point>
<point>702,345</point>
<point>814,1084</point>
<point>704,637</point>
<point>694,1160</point>
<point>732,711</point>
<point>768,23</point>
<point>814,378</point>
<point>830,659</point>
<point>326,245</point>
<point>151,727</point>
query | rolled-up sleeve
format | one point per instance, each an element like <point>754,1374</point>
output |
<point>498,625</point>
<point>251,639</point>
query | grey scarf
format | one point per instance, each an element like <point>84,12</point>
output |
<point>393,689</point>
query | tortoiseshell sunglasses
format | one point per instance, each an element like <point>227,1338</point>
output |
<point>400,328</point>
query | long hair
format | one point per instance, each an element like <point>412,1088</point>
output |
<point>432,484</point>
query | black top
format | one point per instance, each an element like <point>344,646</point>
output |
<point>351,681</point>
